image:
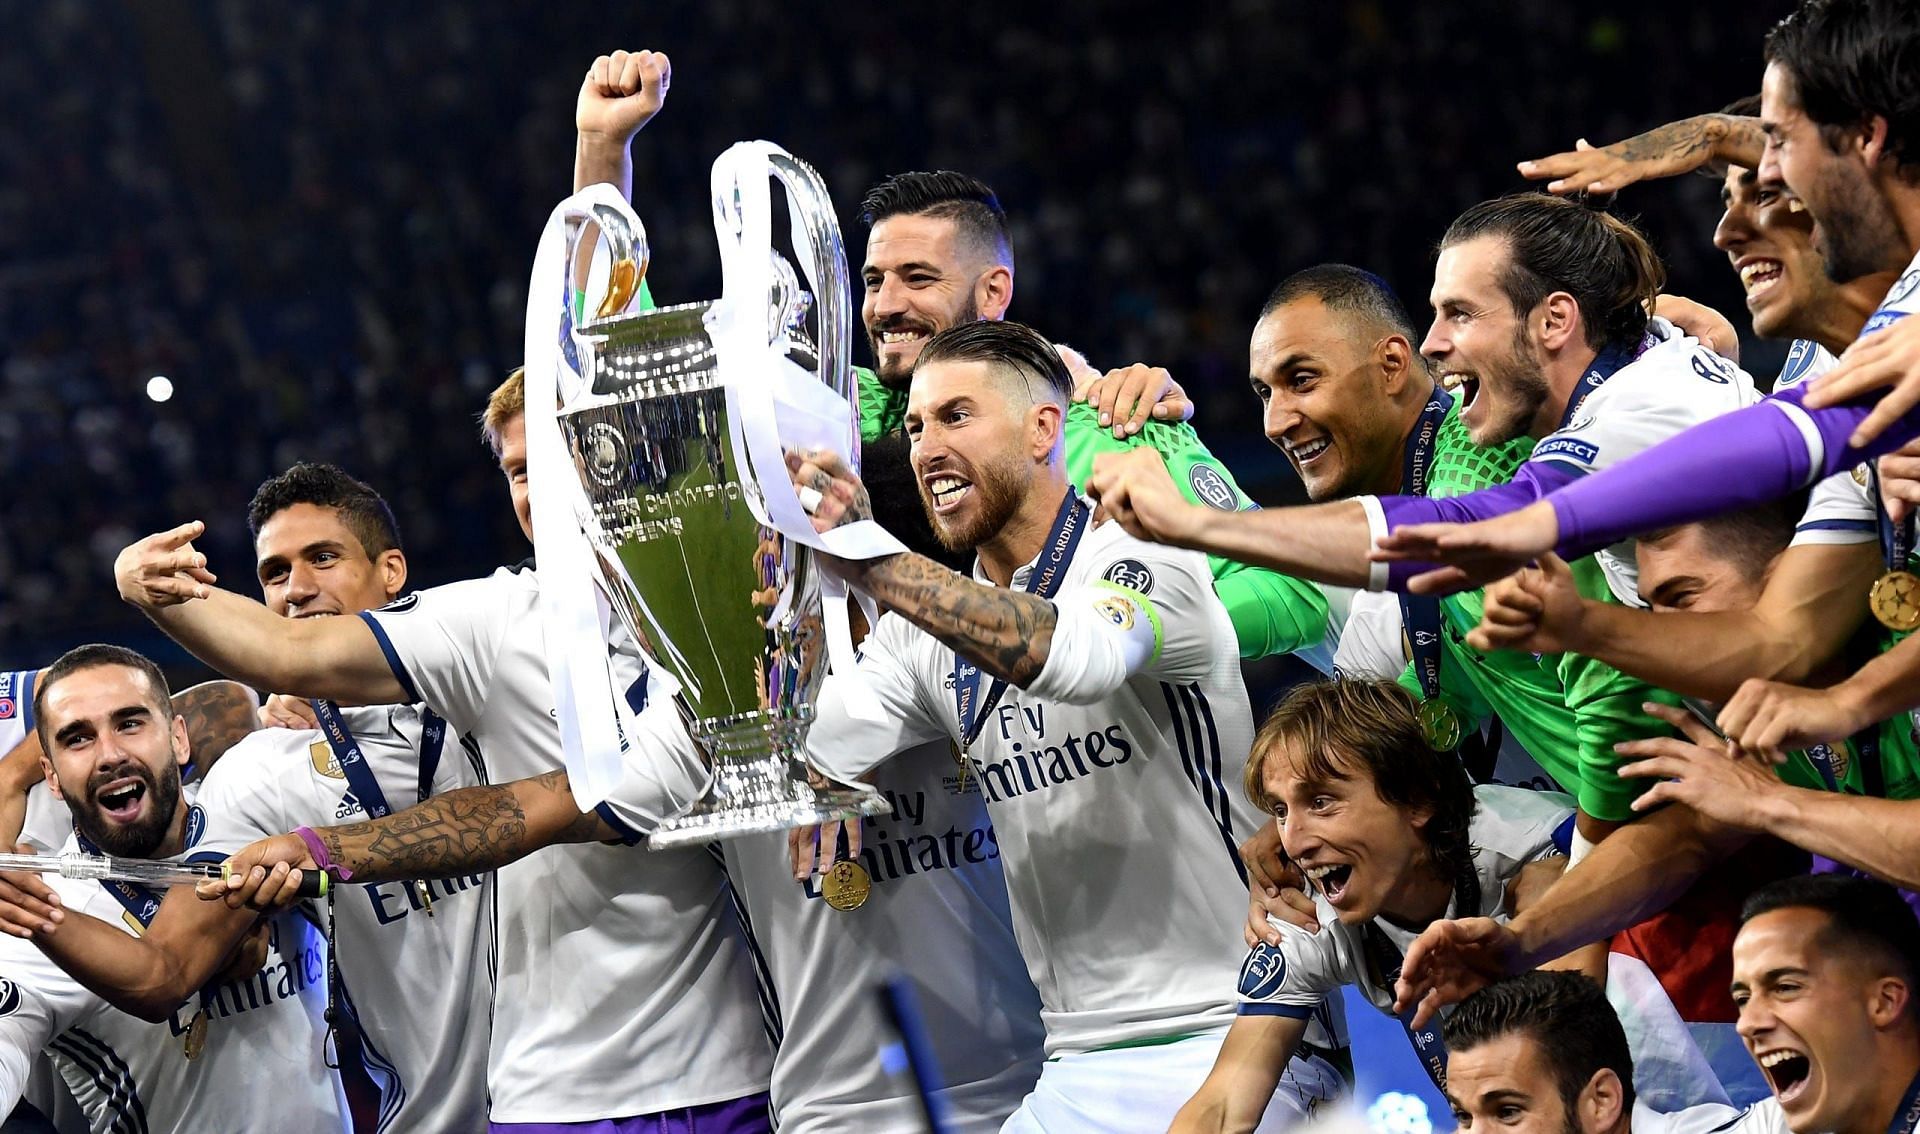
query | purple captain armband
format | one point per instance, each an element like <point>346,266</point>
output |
<point>321,858</point>
<point>1738,460</point>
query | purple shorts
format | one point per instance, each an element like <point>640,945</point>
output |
<point>747,1115</point>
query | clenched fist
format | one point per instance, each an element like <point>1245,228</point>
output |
<point>621,93</point>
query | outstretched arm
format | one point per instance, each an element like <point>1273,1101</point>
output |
<point>456,833</point>
<point>1637,871</point>
<point>1664,151</point>
<point>334,658</point>
<point>1779,446</point>
<point>1811,606</point>
<point>1327,543</point>
<point>146,976</point>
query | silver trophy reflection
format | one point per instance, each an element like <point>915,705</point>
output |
<point>726,605</point>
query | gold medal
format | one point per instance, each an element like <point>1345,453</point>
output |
<point>846,885</point>
<point>425,895</point>
<point>1895,600</point>
<point>960,758</point>
<point>195,1040</point>
<point>1440,725</point>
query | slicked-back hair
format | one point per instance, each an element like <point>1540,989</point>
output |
<point>1555,244</point>
<point>328,486</point>
<point>1564,1014</point>
<point>1347,289</point>
<point>1014,349</point>
<point>1864,916</point>
<point>966,201</point>
<point>1336,728</point>
<point>94,656</point>
<point>1852,61</point>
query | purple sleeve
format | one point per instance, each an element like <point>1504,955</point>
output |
<point>1534,480</point>
<point>1735,461</point>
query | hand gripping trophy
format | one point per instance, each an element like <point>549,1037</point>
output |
<point>667,459</point>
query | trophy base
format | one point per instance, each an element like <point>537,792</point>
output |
<point>760,785</point>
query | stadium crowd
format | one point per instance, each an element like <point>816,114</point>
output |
<point>1603,792</point>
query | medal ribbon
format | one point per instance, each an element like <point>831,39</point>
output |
<point>1044,582</point>
<point>1604,365</point>
<point>139,899</point>
<point>1420,614</point>
<point>1866,749</point>
<point>1907,1117</point>
<point>1427,1042</point>
<point>1896,540</point>
<point>360,777</point>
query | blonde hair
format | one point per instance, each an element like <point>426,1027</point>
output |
<point>508,401</point>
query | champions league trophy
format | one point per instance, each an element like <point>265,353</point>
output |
<point>720,600</point>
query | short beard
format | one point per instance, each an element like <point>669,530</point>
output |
<point>1527,390</point>
<point>898,379</point>
<point>1001,487</point>
<point>1858,234</point>
<point>137,840</point>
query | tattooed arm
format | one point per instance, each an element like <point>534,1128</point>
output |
<point>459,832</point>
<point>218,715</point>
<point>1664,151</point>
<point>1007,633</point>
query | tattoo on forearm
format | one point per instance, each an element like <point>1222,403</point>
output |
<point>1006,633</point>
<point>1695,140</point>
<point>218,715</point>
<point>461,832</point>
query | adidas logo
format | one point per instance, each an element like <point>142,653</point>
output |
<point>348,805</point>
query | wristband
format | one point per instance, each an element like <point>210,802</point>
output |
<point>321,859</point>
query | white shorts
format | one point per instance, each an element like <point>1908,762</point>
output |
<point>1141,1088</point>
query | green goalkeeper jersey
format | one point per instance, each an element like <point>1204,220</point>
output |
<point>1272,613</point>
<point>1568,711</point>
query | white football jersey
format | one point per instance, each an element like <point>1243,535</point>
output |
<point>16,706</point>
<point>1840,509</point>
<point>623,985</point>
<point>264,1037</point>
<point>1903,299</point>
<point>937,914</point>
<point>421,986</point>
<point>1675,384</point>
<point>1118,821</point>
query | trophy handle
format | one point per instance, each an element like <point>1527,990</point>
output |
<point>627,253</point>
<point>812,212</point>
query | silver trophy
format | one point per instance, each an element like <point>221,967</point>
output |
<point>726,605</point>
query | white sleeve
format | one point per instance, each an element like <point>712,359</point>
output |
<point>1839,511</point>
<point>37,1003</point>
<point>442,644</point>
<point>1675,386</point>
<point>662,773</point>
<point>845,746</point>
<point>1147,612</point>
<point>1292,978</point>
<point>1370,644</point>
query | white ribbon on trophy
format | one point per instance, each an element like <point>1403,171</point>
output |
<point>774,405</point>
